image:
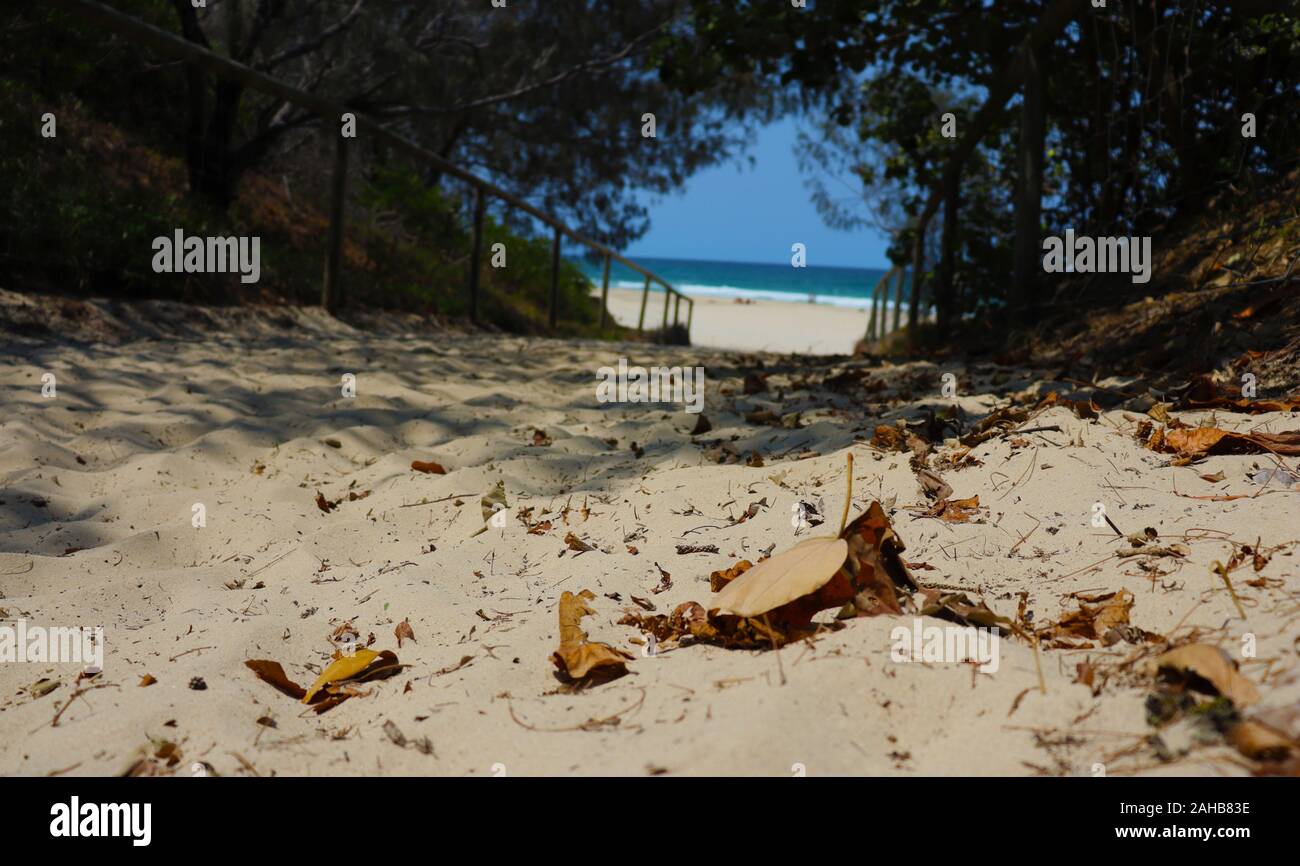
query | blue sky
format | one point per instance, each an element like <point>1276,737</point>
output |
<point>734,212</point>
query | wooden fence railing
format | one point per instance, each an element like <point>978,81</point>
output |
<point>877,327</point>
<point>146,35</point>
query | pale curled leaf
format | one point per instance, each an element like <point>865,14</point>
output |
<point>799,571</point>
<point>1211,665</point>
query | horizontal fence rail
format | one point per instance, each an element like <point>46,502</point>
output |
<point>146,35</point>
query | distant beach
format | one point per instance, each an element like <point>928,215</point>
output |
<point>814,310</point>
<point>841,287</point>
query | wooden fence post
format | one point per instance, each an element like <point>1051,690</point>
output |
<point>331,292</point>
<point>555,279</point>
<point>882,293</point>
<point>476,256</point>
<point>645,297</point>
<point>871,322</point>
<point>898,298</point>
<point>604,296</point>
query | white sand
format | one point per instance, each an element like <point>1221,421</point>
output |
<point>161,425</point>
<point>762,326</point>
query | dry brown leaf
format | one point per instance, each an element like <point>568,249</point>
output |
<point>404,631</point>
<point>429,467</point>
<point>271,672</point>
<point>957,607</point>
<point>955,510</point>
<point>887,438</point>
<point>665,581</point>
<point>933,486</point>
<point>573,542</point>
<point>875,570</point>
<point>719,579</point>
<point>1081,409</point>
<point>1259,742</point>
<point>995,424</point>
<point>577,657</point>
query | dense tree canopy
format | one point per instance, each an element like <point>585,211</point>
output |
<point>546,98</point>
<point>1143,105</point>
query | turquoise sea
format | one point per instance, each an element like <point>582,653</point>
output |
<point>848,287</point>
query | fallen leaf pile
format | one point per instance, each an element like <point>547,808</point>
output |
<point>860,572</point>
<point>1202,393</point>
<point>1103,617</point>
<point>1193,443</point>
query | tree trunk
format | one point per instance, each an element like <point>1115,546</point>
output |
<point>914,303</point>
<point>1045,30</point>
<point>944,297</point>
<point>218,174</point>
<point>1029,195</point>
<point>211,169</point>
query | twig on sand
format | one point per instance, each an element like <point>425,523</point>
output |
<point>188,651</point>
<point>1024,476</point>
<point>436,501</point>
<point>245,763</point>
<point>54,723</point>
<point>1101,561</point>
<point>590,724</point>
<point>1223,573</point>
<point>1025,537</point>
<point>274,561</point>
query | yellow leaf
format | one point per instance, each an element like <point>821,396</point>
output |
<point>342,668</point>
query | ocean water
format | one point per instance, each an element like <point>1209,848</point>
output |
<point>846,287</point>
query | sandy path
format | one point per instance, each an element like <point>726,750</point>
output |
<point>139,433</point>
